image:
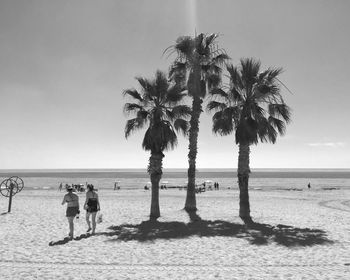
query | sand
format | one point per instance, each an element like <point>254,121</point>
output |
<point>312,240</point>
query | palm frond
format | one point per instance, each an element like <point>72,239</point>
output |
<point>181,126</point>
<point>216,106</point>
<point>209,40</point>
<point>148,87</point>
<point>273,73</point>
<point>133,125</point>
<point>214,68</point>
<point>218,92</point>
<point>220,59</point>
<point>145,83</point>
<point>271,134</point>
<point>263,130</point>
<point>284,86</point>
<point>175,94</point>
<point>258,112</point>
<point>178,72</point>
<point>142,115</point>
<point>170,115</point>
<point>200,45</point>
<point>278,124</point>
<point>221,124</point>
<point>170,50</point>
<point>235,76</point>
<point>177,67</point>
<point>266,131</point>
<point>131,107</point>
<point>235,96</point>
<point>280,110</point>
<point>181,111</point>
<point>213,80</point>
<point>160,137</point>
<point>184,45</point>
<point>249,69</point>
<point>133,93</point>
<point>262,76</point>
<point>161,83</point>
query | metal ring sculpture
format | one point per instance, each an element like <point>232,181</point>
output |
<point>13,182</point>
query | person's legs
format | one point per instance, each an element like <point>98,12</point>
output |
<point>88,220</point>
<point>71,226</point>
<point>93,221</point>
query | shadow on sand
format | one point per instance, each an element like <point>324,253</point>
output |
<point>258,234</point>
<point>67,239</point>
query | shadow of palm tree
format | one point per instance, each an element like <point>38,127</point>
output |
<point>194,217</point>
<point>258,234</point>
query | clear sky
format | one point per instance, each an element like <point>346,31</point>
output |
<point>64,65</point>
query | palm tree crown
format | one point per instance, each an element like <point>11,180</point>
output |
<point>198,62</point>
<point>156,105</point>
<point>253,106</point>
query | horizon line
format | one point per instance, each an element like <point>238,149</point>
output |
<point>169,169</point>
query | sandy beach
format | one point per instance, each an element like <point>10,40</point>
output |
<point>299,235</point>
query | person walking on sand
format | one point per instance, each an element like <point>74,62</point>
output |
<point>72,201</point>
<point>92,206</point>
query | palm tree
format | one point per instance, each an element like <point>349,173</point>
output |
<point>157,106</point>
<point>198,66</point>
<point>252,108</point>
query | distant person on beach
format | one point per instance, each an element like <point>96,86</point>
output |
<point>72,201</point>
<point>60,187</point>
<point>92,206</point>
<point>309,186</point>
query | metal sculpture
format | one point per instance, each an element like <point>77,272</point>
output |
<point>9,187</point>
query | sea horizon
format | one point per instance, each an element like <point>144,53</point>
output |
<point>136,178</point>
<point>178,173</point>
<point>172,169</point>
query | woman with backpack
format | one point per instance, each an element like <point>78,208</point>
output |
<point>92,206</point>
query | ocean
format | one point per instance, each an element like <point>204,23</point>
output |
<point>263,179</point>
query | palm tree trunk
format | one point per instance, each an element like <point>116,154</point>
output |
<point>243,178</point>
<point>190,204</point>
<point>155,172</point>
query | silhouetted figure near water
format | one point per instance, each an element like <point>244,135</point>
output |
<point>309,186</point>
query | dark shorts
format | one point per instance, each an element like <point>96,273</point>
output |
<point>72,211</point>
<point>91,209</point>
